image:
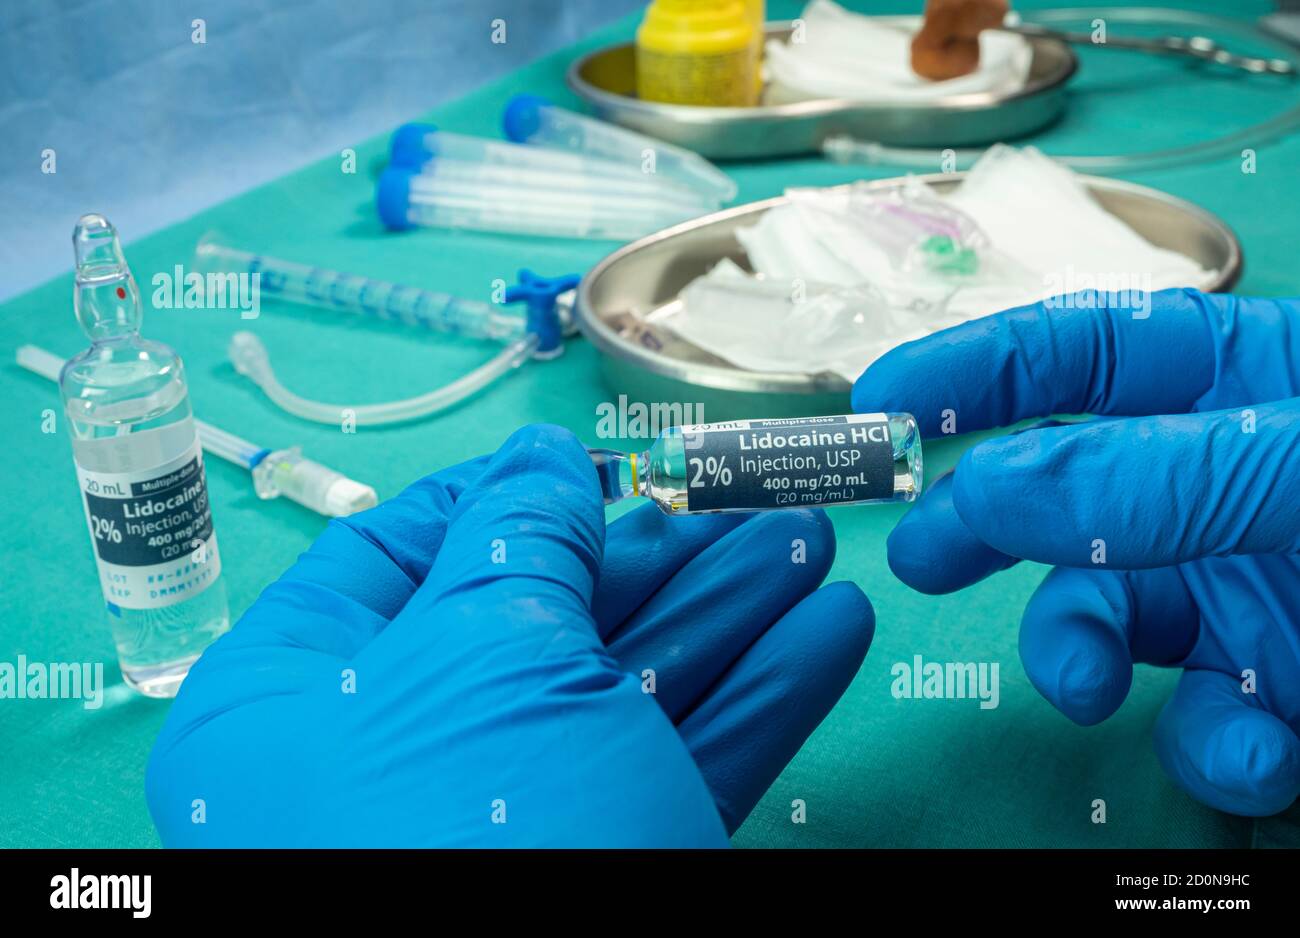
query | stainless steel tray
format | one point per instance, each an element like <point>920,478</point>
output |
<point>651,365</point>
<point>606,80</point>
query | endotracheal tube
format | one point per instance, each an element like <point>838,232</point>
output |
<point>141,474</point>
<point>756,465</point>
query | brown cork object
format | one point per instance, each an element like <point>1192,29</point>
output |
<point>948,44</point>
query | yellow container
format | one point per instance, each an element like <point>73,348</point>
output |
<point>756,10</point>
<point>697,52</point>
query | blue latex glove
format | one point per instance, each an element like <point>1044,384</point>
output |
<point>498,636</point>
<point>1200,518</point>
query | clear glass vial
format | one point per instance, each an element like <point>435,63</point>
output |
<point>758,465</point>
<point>140,468</point>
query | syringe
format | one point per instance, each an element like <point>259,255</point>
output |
<point>275,472</point>
<point>334,289</point>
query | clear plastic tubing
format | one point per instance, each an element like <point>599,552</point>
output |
<point>275,472</point>
<point>758,465</point>
<point>532,120</point>
<point>406,199</point>
<point>415,144</point>
<point>336,290</point>
<point>843,149</point>
<point>250,359</point>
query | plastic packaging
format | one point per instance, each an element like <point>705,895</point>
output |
<point>697,52</point>
<point>782,325</point>
<point>918,231</point>
<point>532,120</point>
<point>838,282</point>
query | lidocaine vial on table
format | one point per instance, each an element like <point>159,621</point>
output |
<point>140,468</point>
<point>757,465</point>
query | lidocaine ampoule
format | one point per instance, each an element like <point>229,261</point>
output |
<point>758,465</point>
<point>140,468</point>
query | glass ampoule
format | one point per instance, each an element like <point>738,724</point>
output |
<point>140,468</point>
<point>759,465</point>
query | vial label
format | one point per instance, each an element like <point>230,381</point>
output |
<point>152,532</point>
<point>806,461</point>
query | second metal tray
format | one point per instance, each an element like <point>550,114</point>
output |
<point>651,365</point>
<point>606,80</point>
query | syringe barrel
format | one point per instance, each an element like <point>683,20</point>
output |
<point>227,446</point>
<point>332,289</point>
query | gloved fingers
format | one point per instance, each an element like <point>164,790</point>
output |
<point>519,559</point>
<point>643,549</point>
<point>1083,629</point>
<point>1042,359</point>
<point>1220,747</point>
<point>1139,493</point>
<point>764,707</point>
<point>717,605</point>
<point>359,573</point>
<point>932,550</point>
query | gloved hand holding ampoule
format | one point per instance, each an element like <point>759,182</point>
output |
<point>469,664</point>
<point>1175,532</point>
